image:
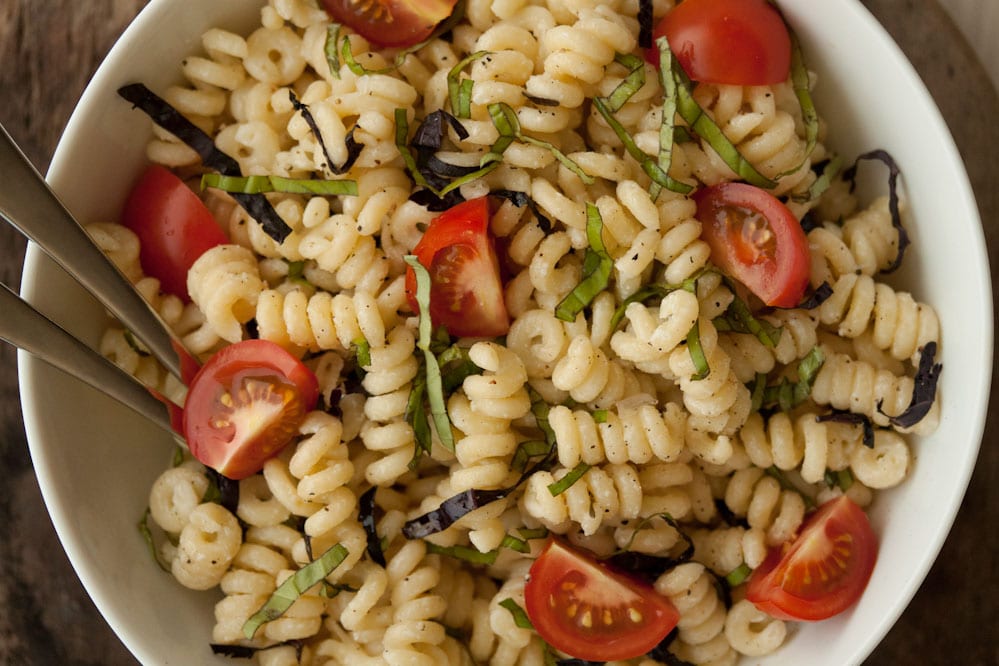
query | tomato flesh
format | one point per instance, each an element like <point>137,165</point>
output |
<point>737,42</point>
<point>822,572</point>
<point>588,611</point>
<point>173,225</point>
<point>459,253</point>
<point>755,239</point>
<point>398,23</point>
<point>245,405</point>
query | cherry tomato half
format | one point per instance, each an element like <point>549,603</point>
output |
<point>173,225</point>
<point>466,293</point>
<point>738,42</point>
<point>822,572</point>
<point>584,609</point>
<point>755,239</point>
<point>245,405</point>
<point>391,22</point>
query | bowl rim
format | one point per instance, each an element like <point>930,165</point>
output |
<point>31,387</point>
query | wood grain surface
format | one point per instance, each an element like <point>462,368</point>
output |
<point>48,51</point>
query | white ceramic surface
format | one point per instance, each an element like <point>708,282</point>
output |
<point>95,460</point>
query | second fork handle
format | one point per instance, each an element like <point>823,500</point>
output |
<point>26,328</point>
<point>27,202</point>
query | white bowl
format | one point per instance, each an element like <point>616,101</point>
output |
<point>95,460</point>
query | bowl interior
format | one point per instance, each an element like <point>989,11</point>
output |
<point>96,460</point>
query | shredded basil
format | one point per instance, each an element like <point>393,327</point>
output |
<point>233,651</point>
<point>818,297</point>
<point>460,90</point>
<point>662,654</point>
<point>842,479</point>
<point>464,553</point>
<point>788,395</point>
<point>756,392</point>
<point>738,318</point>
<point>541,101</point>
<point>567,481</point>
<point>706,128</point>
<point>520,199</point>
<point>519,615</point>
<point>295,586</point>
<point>402,143</point>
<point>645,24</point>
<point>650,567</point>
<point>700,361</point>
<point>222,490</point>
<point>455,366</point>
<point>799,81</point>
<point>451,510</point>
<point>353,147</point>
<point>533,448</point>
<point>435,389</point>
<point>827,171</point>
<point>174,122</point>
<point>147,536</point>
<point>330,51</point>
<point>896,216</point>
<point>430,172</point>
<point>645,293</point>
<point>135,344</point>
<point>597,267</point>
<point>508,126</point>
<point>260,184</point>
<point>924,389</point>
<point>366,510</point>
<point>738,575</point>
<point>630,85</point>
<point>474,556</point>
<point>667,128</point>
<point>416,416</point>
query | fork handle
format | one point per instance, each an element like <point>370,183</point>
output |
<point>27,202</point>
<point>23,326</point>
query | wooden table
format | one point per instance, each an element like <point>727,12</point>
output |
<point>50,48</point>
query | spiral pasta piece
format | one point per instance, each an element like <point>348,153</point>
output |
<point>603,495</point>
<point>752,632</point>
<point>701,629</point>
<point>589,376</point>
<point>760,121</point>
<point>865,244</point>
<point>787,443</point>
<point>208,542</point>
<point>652,335</point>
<point>758,497</point>
<point>574,57</point>
<point>414,631</point>
<point>856,386</point>
<point>897,322</point>
<point>718,403</point>
<point>637,434</point>
<point>725,549</point>
<point>388,381</point>
<point>322,321</point>
<point>225,284</point>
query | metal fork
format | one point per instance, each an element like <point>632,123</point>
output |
<point>27,203</point>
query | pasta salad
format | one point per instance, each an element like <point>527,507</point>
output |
<point>529,332</point>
